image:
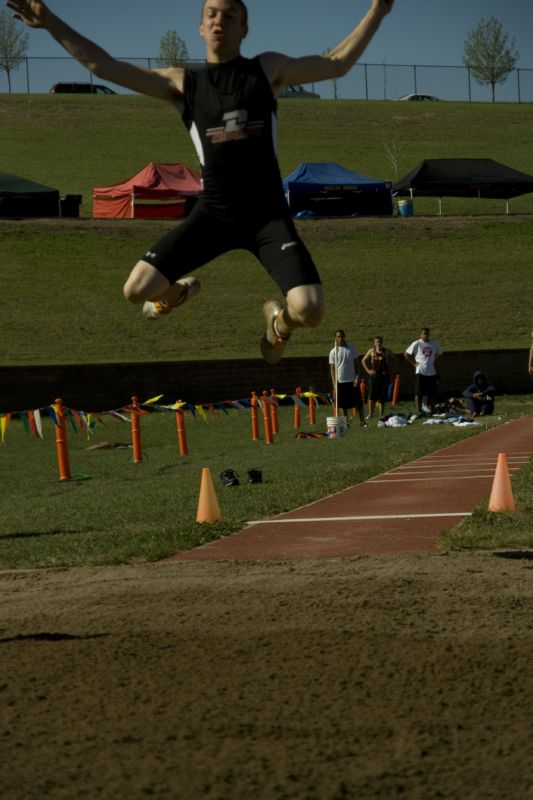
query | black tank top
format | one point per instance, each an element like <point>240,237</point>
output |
<point>230,112</point>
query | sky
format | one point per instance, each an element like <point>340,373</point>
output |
<point>421,32</point>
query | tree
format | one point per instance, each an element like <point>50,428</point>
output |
<point>394,148</point>
<point>172,50</point>
<point>13,45</point>
<point>489,54</point>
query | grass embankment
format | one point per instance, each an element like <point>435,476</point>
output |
<point>114,511</point>
<point>79,142</point>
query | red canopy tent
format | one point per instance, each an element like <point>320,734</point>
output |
<point>156,192</point>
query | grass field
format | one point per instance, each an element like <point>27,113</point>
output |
<point>466,274</point>
<point>114,511</point>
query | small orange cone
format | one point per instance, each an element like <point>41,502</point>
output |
<point>208,508</point>
<point>501,496</point>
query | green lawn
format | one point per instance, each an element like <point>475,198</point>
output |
<point>466,274</point>
<point>115,511</point>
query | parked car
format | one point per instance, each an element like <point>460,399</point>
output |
<point>299,93</point>
<point>419,97</point>
<point>80,88</point>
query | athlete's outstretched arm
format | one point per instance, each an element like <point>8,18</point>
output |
<point>167,84</point>
<point>282,70</point>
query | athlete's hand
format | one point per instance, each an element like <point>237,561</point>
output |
<point>32,13</point>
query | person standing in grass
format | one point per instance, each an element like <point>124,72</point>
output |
<point>229,108</point>
<point>423,354</point>
<point>376,362</point>
<point>344,364</point>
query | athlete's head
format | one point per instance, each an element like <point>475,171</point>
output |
<point>340,337</point>
<point>223,26</point>
<point>242,7</point>
<point>425,334</point>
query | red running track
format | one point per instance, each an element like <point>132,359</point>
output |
<point>401,511</point>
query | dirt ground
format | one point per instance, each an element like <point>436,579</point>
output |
<point>368,677</point>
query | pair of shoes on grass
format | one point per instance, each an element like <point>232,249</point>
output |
<point>229,477</point>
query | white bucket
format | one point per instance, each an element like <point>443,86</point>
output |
<point>337,427</point>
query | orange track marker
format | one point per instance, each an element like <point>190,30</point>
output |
<point>208,508</point>
<point>136,440</point>
<point>501,496</point>
<point>180,427</point>
<point>62,443</point>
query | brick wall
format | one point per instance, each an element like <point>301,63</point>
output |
<point>99,387</point>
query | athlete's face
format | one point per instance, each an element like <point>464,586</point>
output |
<point>223,27</point>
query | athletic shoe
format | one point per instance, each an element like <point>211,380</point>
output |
<point>158,308</point>
<point>255,476</point>
<point>272,345</point>
<point>229,478</point>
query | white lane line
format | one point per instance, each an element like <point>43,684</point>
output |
<point>413,480</point>
<point>361,518</point>
<point>451,464</point>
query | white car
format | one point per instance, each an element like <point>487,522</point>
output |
<point>419,97</point>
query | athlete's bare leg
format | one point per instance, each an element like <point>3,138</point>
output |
<point>148,286</point>
<point>305,308</point>
<point>145,282</point>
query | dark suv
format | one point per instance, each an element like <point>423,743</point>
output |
<point>80,88</point>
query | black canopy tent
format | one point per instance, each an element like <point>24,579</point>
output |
<point>20,197</point>
<point>464,177</point>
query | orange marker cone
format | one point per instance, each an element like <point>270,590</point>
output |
<point>501,496</point>
<point>208,508</point>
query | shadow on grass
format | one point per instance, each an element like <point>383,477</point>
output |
<point>34,534</point>
<point>516,554</point>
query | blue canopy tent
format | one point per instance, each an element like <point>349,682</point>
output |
<point>327,189</point>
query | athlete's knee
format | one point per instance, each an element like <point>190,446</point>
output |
<point>306,305</point>
<point>144,283</point>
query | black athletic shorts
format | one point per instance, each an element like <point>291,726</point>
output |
<point>349,396</point>
<point>205,235</point>
<point>379,387</point>
<point>426,385</point>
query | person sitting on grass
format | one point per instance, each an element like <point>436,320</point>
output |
<point>479,396</point>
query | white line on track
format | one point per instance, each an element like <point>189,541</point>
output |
<point>392,479</point>
<point>361,518</point>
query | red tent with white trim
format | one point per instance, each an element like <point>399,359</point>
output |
<point>158,191</point>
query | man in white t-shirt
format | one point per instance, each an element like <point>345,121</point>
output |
<point>344,360</point>
<point>423,354</point>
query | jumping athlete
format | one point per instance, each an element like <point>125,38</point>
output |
<point>229,108</point>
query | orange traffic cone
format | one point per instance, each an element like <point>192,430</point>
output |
<point>208,508</point>
<point>501,496</point>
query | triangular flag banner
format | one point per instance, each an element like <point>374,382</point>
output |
<point>4,422</point>
<point>152,400</point>
<point>23,416</point>
<point>38,423</point>
<point>52,413</point>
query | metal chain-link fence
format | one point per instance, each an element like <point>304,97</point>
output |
<point>364,82</point>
